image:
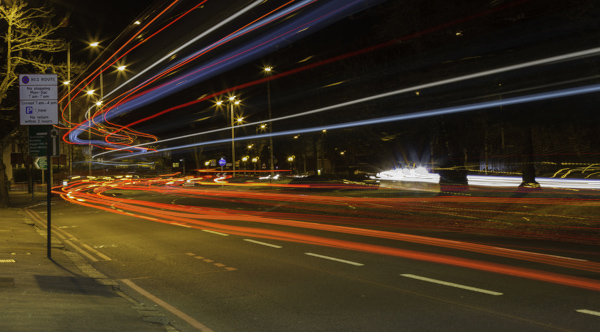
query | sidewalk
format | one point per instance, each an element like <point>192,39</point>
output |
<point>39,294</point>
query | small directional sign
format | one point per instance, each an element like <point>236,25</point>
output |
<point>38,141</point>
<point>41,163</point>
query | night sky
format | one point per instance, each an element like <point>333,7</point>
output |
<point>97,20</point>
<point>424,42</point>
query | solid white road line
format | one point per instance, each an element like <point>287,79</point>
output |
<point>335,259</point>
<point>445,283</point>
<point>213,232</point>
<point>167,306</point>
<point>263,243</point>
<point>589,312</point>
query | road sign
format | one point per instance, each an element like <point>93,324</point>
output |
<point>41,163</point>
<point>38,141</point>
<point>38,99</point>
<point>222,162</point>
<point>38,79</point>
<point>38,92</point>
<point>35,112</point>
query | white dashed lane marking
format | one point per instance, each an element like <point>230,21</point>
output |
<point>445,283</point>
<point>588,312</point>
<point>335,259</point>
<point>263,243</point>
<point>213,232</point>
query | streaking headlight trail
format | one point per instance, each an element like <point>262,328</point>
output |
<point>401,117</point>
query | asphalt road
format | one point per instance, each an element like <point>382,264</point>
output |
<point>206,280</point>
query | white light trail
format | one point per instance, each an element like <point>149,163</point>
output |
<point>195,39</point>
<point>564,57</point>
<point>401,117</point>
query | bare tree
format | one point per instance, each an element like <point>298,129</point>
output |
<point>27,44</point>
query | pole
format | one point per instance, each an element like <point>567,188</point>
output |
<point>90,142</point>
<point>232,142</point>
<point>270,128</point>
<point>69,105</point>
<point>49,191</point>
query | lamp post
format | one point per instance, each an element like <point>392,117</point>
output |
<point>232,101</point>
<point>89,114</point>
<point>268,70</point>
<point>68,83</point>
<point>99,103</point>
<point>291,161</point>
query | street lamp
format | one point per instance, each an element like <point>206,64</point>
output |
<point>232,101</point>
<point>291,161</point>
<point>68,84</point>
<point>268,71</point>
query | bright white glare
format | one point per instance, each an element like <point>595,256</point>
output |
<point>275,177</point>
<point>421,175</point>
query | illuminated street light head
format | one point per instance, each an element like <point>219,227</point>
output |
<point>94,44</point>
<point>268,69</point>
<point>99,102</point>
<point>219,103</point>
<point>237,102</point>
<point>263,126</point>
<point>121,68</point>
<point>232,98</point>
<point>240,120</point>
<point>90,92</point>
<point>67,82</point>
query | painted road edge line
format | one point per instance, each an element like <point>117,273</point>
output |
<point>263,243</point>
<point>588,312</point>
<point>445,283</point>
<point>167,306</point>
<point>334,259</point>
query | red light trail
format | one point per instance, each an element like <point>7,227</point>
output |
<point>91,194</point>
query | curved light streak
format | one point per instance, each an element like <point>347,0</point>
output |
<point>401,117</point>
<point>189,217</point>
<point>287,32</point>
<point>564,57</point>
<point>372,48</point>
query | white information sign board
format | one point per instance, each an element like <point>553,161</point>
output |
<point>38,99</point>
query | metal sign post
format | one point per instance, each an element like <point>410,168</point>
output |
<point>39,106</point>
<point>49,191</point>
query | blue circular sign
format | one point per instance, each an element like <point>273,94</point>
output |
<point>222,162</point>
<point>25,79</point>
